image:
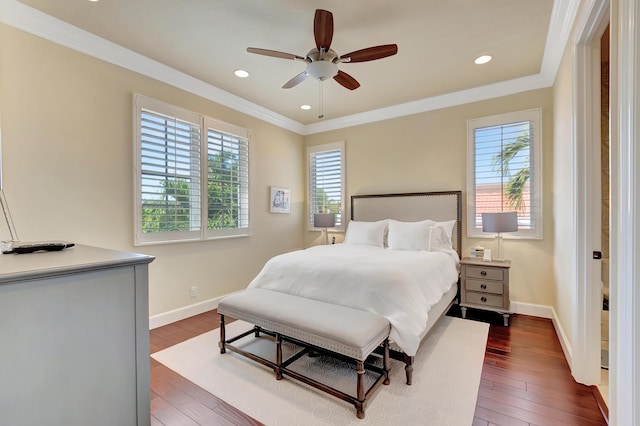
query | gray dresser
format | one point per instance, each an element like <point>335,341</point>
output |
<point>485,285</point>
<point>74,327</point>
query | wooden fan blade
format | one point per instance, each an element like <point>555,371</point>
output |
<point>370,53</point>
<point>273,53</point>
<point>323,28</point>
<point>346,80</point>
<point>296,80</point>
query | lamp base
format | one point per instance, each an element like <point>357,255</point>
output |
<point>498,255</point>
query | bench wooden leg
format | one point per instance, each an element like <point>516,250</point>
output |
<point>386,362</point>
<point>222,335</point>
<point>360,390</point>
<point>278,356</point>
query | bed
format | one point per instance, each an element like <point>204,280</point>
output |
<point>397,274</point>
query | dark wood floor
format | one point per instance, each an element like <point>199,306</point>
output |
<point>525,379</point>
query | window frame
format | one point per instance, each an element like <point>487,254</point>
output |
<point>534,116</point>
<point>334,146</point>
<point>204,124</point>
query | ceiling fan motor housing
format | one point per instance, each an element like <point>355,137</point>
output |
<point>321,66</point>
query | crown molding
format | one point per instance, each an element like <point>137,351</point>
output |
<point>31,20</point>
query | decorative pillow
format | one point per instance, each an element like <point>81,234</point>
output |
<point>409,235</point>
<point>366,233</point>
<point>440,236</point>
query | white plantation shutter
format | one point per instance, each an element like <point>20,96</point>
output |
<point>170,154</point>
<point>326,182</point>
<point>227,180</point>
<point>191,184</point>
<point>504,172</point>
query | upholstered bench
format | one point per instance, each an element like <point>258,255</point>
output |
<point>316,326</point>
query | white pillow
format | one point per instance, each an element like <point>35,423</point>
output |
<point>366,233</point>
<point>440,236</point>
<point>409,235</point>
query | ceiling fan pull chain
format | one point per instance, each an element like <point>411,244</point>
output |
<point>321,107</point>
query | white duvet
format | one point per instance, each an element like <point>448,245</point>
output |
<point>400,285</point>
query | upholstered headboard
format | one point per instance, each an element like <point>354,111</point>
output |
<point>412,207</point>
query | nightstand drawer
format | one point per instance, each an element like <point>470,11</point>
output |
<point>484,299</point>
<point>485,286</point>
<point>484,273</point>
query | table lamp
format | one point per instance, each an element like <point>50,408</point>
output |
<point>324,221</point>
<point>499,222</point>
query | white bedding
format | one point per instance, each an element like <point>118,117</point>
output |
<point>400,285</point>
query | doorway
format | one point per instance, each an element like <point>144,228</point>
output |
<point>605,170</point>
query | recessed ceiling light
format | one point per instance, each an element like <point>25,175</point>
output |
<point>305,107</point>
<point>94,1</point>
<point>241,73</point>
<point>482,59</point>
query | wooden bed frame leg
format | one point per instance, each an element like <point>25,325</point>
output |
<point>408,368</point>
<point>222,335</point>
<point>386,362</point>
<point>278,356</point>
<point>360,390</point>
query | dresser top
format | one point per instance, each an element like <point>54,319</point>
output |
<point>80,258</point>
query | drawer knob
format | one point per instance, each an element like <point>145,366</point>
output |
<point>484,299</point>
<point>483,286</point>
<point>483,273</point>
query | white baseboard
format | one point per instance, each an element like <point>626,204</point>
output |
<point>182,313</point>
<point>541,311</point>
<point>544,311</point>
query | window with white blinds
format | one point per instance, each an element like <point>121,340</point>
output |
<point>192,175</point>
<point>326,182</point>
<point>227,181</point>
<point>504,171</point>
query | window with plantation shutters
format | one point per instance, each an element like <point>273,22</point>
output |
<point>504,171</point>
<point>191,175</point>
<point>326,182</point>
<point>227,181</point>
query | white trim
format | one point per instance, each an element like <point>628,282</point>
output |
<point>586,191</point>
<point>562,20</point>
<point>175,315</point>
<point>26,18</point>
<point>624,383</point>
<point>541,311</point>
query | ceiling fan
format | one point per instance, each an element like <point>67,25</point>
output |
<point>322,61</point>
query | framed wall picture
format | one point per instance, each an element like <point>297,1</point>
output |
<point>280,200</point>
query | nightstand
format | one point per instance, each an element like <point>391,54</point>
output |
<point>485,285</point>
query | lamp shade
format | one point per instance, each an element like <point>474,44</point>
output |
<point>500,222</point>
<point>324,220</point>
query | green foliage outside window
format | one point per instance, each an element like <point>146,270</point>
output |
<point>172,209</point>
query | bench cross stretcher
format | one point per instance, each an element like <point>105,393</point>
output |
<point>343,332</point>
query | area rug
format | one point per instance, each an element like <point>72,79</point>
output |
<point>445,385</point>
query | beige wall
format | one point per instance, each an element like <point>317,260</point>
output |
<point>427,152</point>
<point>67,146</point>
<point>68,158</point>
<point>564,263</point>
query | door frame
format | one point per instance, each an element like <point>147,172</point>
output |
<point>585,343</point>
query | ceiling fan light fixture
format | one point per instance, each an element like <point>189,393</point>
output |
<point>322,70</point>
<point>482,59</point>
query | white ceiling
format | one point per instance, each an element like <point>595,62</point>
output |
<point>437,43</point>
